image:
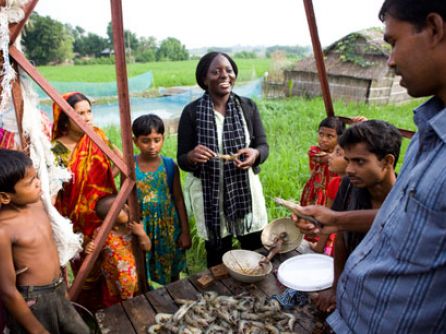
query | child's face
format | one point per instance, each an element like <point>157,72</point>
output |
<point>123,216</point>
<point>364,168</point>
<point>336,162</point>
<point>327,139</point>
<point>150,145</point>
<point>27,190</point>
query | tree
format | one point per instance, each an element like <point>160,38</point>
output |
<point>290,51</point>
<point>130,38</point>
<point>245,55</point>
<point>90,45</point>
<point>146,51</point>
<point>172,49</point>
<point>47,41</point>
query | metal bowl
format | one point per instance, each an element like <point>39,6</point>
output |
<point>243,265</point>
<point>275,228</point>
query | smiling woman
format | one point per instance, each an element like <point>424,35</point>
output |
<point>225,196</point>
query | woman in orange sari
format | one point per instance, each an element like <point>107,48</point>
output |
<point>92,178</point>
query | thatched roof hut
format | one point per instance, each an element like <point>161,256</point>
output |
<point>356,68</point>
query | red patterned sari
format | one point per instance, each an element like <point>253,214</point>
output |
<point>315,188</point>
<point>92,179</point>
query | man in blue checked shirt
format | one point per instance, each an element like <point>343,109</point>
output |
<point>394,280</point>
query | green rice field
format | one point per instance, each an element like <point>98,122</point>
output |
<point>165,74</point>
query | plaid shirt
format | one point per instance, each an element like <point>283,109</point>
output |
<point>394,282</point>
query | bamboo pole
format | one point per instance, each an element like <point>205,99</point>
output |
<point>319,57</point>
<point>56,97</point>
<point>126,125</point>
<point>103,232</point>
<point>16,28</point>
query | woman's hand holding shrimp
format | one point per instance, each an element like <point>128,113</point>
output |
<point>250,156</point>
<point>200,154</point>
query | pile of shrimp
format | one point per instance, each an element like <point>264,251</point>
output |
<point>214,314</point>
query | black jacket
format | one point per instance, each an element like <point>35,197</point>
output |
<point>187,134</point>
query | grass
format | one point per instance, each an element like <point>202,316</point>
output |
<point>291,127</point>
<point>165,74</point>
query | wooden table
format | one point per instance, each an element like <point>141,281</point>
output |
<point>137,314</point>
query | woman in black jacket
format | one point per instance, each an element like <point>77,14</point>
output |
<point>221,143</point>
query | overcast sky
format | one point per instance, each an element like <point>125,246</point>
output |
<point>206,23</point>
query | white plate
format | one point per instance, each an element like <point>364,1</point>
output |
<point>307,272</point>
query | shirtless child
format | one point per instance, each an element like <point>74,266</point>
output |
<point>31,287</point>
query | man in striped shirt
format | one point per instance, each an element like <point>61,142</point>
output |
<point>394,280</point>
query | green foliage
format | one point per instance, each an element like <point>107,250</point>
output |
<point>291,127</point>
<point>245,55</point>
<point>47,41</point>
<point>146,51</point>
<point>219,49</point>
<point>95,61</point>
<point>90,45</point>
<point>130,39</point>
<point>289,51</point>
<point>353,49</point>
<point>171,49</point>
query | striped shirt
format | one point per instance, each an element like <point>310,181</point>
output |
<point>394,282</point>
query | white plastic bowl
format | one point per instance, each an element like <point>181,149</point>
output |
<point>307,272</point>
<point>243,265</point>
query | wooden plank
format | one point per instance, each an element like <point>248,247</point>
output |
<point>310,319</point>
<point>270,285</point>
<point>161,301</point>
<point>114,320</point>
<point>182,289</point>
<point>237,287</point>
<point>305,319</point>
<point>140,313</point>
<point>216,286</point>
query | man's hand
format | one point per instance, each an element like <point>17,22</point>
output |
<point>322,214</point>
<point>324,300</point>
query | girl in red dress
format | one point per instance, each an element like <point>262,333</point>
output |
<point>315,188</point>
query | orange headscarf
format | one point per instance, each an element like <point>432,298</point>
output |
<point>56,132</point>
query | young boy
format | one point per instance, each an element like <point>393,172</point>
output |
<point>118,261</point>
<point>371,150</point>
<point>31,286</point>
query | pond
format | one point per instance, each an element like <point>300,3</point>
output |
<point>167,107</point>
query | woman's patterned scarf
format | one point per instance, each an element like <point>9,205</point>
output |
<point>236,193</point>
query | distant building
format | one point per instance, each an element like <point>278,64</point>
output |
<point>356,68</point>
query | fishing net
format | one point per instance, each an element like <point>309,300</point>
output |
<point>137,84</point>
